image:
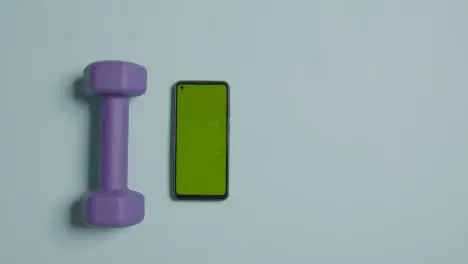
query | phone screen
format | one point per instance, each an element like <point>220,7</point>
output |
<point>201,140</point>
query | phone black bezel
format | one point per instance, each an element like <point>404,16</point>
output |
<point>174,143</point>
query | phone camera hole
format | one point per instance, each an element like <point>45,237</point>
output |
<point>182,87</point>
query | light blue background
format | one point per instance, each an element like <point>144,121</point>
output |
<point>349,129</point>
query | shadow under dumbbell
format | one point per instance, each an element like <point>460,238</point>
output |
<point>92,180</point>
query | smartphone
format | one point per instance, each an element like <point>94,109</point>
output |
<point>201,140</point>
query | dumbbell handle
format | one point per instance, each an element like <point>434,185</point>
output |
<point>114,143</point>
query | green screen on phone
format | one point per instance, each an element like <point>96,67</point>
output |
<point>201,139</point>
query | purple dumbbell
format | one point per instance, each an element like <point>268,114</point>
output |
<point>114,204</point>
